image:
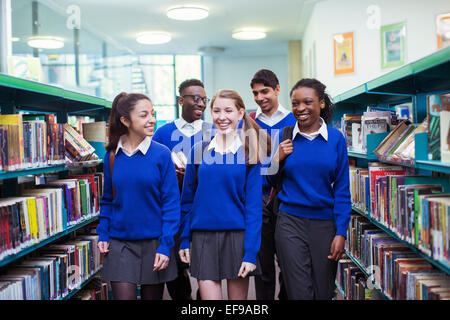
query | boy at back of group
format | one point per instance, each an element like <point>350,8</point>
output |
<point>272,117</point>
<point>181,135</point>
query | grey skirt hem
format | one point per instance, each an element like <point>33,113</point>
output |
<point>217,255</point>
<point>132,261</point>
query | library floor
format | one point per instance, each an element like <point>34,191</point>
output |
<point>251,289</point>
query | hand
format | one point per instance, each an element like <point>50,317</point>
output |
<point>284,149</point>
<point>180,172</point>
<point>246,268</point>
<point>161,262</point>
<point>337,248</point>
<point>103,246</point>
<point>184,256</point>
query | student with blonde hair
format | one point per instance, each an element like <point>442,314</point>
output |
<point>221,201</point>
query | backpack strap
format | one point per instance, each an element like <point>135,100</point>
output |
<point>287,134</point>
<point>112,157</point>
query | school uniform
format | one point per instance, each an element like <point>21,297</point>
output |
<point>265,283</point>
<point>180,135</point>
<point>143,217</point>
<point>315,206</point>
<point>221,211</point>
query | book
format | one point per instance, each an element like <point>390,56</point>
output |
<point>435,105</point>
<point>445,136</point>
<point>95,131</point>
<point>15,121</point>
<point>179,159</point>
<point>390,138</point>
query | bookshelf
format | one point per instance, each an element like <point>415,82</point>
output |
<point>410,83</point>
<point>23,95</point>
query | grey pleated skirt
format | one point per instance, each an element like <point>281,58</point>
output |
<point>132,261</point>
<point>217,255</point>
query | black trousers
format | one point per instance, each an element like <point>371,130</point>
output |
<point>303,246</point>
<point>266,282</point>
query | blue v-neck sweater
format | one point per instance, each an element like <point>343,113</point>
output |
<point>226,197</point>
<point>316,180</point>
<point>147,201</point>
<point>170,136</point>
<point>275,133</point>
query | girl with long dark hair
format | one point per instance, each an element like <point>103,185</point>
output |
<point>140,208</point>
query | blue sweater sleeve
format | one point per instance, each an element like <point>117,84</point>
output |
<point>342,199</point>
<point>187,200</point>
<point>253,213</point>
<point>170,211</point>
<point>106,202</point>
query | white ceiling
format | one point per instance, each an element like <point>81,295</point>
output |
<point>121,20</point>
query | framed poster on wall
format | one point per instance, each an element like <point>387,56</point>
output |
<point>443,30</point>
<point>393,45</point>
<point>344,60</point>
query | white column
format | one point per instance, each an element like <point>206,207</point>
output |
<point>5,34</point>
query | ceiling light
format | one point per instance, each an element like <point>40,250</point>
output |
<point>42,42</point>
<point>153,37</point>
<point>249,34</point>
<point>15,39</point>
<point>188,12</point>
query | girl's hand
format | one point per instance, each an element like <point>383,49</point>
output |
<point>184,256</point>
<point>103,246</point>
<point>161,262</point>
<point>284,149</point>
<point>337,248</point>
<point>246,268</point>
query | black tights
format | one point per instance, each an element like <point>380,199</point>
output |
<point>127,291</point>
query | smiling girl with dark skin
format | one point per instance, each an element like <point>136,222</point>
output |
<point>315,200</point>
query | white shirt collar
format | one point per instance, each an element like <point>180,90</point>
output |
<point>233,147</point>
<point>276,117</point>
<point>323,131</point>
<point>143,146</point>
<point>188,129</point>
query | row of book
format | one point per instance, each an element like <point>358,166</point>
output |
<point>352,281</point>
<point>398,272</point>
<point>415,208</point>
<point>96,289</point>
<point>399,144</point>
<point>355,127</point>
<point>47,209</point>
<point>29,141</point>
<point>53,271</point>
<point>35,140</point>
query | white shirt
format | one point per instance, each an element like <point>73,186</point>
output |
<point>188,129</point>
<point>143,146</point>
<point>233,147</point>
<point>276,117</point>
<point>322,131</point>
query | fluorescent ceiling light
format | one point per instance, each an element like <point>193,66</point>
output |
<point>249,34</point>
<point>188,12</point>
<point>43,42</point>
<point>153,37</point>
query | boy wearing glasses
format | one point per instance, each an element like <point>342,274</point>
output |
<point>181,135</point>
